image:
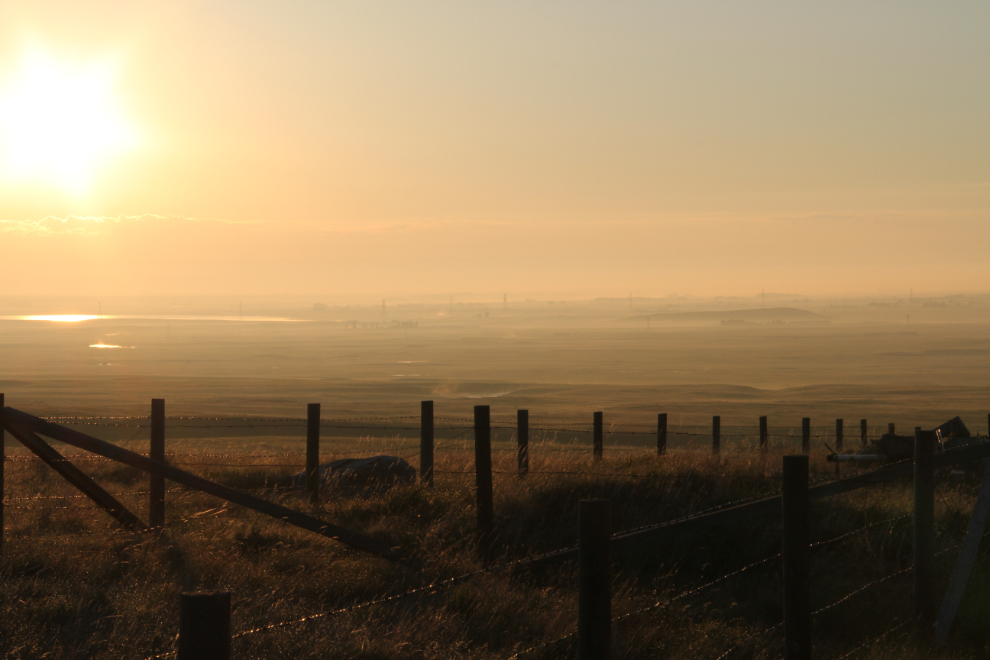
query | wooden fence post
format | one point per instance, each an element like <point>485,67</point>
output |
<point>3,459</point>
<point>204,626</point>
<point>661,434</point>
<point>716,434</point>
<point>595,580</point>
<point>924,531</point>
<point>763,434</point>
<point>483,481</point>
<point>522,436</point>
<point>426,443</point>
<point>796,559</point>
<point>839,440</point>
<point>599,436</point>
<point>156,505</point>
<point>862,432</point>
<point>313,452</point>
<point>806,435</point>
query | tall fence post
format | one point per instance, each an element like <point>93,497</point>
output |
<point>862,432</point>
<point>805,435</point>
<point>599,434</point>
<point>716,434</point>
<point>796,559</point>
<point>924,531</point>
<point>522,437</point>
<point>156,504</point>
<point>839,441</point>
<point>483,481</point>
<point>426,443</point>
<point>3,459</point>
<point>763,434</point>
<point>313,452</point>
<point>595,580</point>
<point>661,434</point>
<point>204,626</point>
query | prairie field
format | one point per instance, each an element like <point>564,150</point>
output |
<point>75,585</point>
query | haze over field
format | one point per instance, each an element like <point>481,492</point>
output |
<point>554,150</point>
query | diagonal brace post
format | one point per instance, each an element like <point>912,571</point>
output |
<point>75,476</point>
<point>172,473</point>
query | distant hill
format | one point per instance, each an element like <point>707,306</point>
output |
<point>758,315</point>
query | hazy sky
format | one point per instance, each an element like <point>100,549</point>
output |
<point>576,148</point>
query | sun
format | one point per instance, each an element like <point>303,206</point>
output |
<point>59,124</point>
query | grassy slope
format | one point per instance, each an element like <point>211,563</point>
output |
<point>75,586</point>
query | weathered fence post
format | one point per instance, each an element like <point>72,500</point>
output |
<point>598,436</point>
<point>483,481</point>
<point>716,434</point>
<point>763,434</point>
<point>805,435</point>
<point>661,434</point>
<point>862,432</point>
<point>924,531</point>
<point>204,626</point>
<point>313,452</point>
<point>839,440</point>
<point>595,580</point>
<point>796,559</point>
<point>156,505</point>
<point>3,459</point>
<point>522,436</point>
<point>426,443</point>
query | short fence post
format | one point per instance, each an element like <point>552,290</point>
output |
<point>426,443</point>
<point>716,434</point>
<point>838,441</point>
<point>862,432</point>
<point>522,436</point>
<point>3,459</point>
<point>890,428</point>
<point>599,434</point>
<point>595,580</point>
<point>661,434</point>
<point>763,434</point>
<point>806,435</point>
<point>313,452</point>
<point>204,626</point>
<point>156,505</point>
<point>483,481</point>
<point>924,531</point>
<point>796,559</point>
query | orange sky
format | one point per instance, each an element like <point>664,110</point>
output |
<point>555,148</point>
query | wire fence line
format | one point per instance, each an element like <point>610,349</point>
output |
<point>572,426</point>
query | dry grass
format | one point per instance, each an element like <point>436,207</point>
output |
<point>76,586</point>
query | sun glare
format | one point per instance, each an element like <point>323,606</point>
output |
<point>59,124</point>
<point>60,318</point>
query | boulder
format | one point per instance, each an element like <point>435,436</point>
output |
<point>373,472</point>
